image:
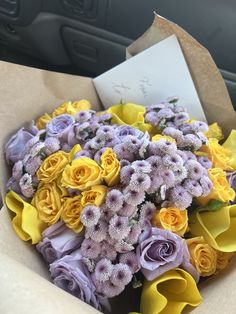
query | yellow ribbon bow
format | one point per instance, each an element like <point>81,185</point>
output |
<point>217,227</point>
<point>169,293</point>
<point>26,222</point>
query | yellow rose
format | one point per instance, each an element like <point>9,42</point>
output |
<point>221,189</point>
<point>82,174</point>
<point>172,219</point>
<point>71,108</point>
<point>222,260</point>
<point>215,131</point>
<point>111,167</point>
<point>52,167</point>
<point>71,212</point>
<point>219,155</point>
<point>95,196</point>
<point>131,114</point>
<point>202,256</point>
<point>47,200</point>
<point>42,121</point>
<point>158,137</point>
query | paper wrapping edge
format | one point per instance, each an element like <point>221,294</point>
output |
<point>208,81</point>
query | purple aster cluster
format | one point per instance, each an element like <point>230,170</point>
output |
<point>172,120</point>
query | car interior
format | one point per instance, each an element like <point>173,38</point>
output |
<point>88,37</point>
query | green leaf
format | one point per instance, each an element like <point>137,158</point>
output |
<point>213,205</point>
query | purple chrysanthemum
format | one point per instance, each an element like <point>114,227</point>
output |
<point>191,141</point>
<point>106,132</point>
<point>131,260</point>
<point>205,162</point>
<point>109,290</point>
<point>114,200</point>
<point>108,251</point>
<point>140,182</point>
<point>173,132</point>
<point>90,215</point>
<point>98,232</point>
<point>103,270</point>
<point>189,156</point>
<point>167,147</point>
<point>119,227</point>
<point>131,143</point>
<point>172,162</point>
<point>155,162</point>
<point>156,182</point>
<point>83,116</point>
<point>52,145</point>
<point>83,153</point>
<point>89,263</point>
<point>195,169</point>
<point>17,170</point>
<point>147,211</point>
<point>97,143</point>
<point>180,175</point>
<point>90,248</point>
<point>134,234</point>
<point>133,197</point>
<point>141,166</point>
<point>123,246</point>
<point>168,178</point>
<point>106,213</point>
<point>193,187</point>
<point>121,275</point>
<point>206,185</point>
<point>32,165</point>
<point>180,197</point>
<point>26,185</point>
<point>153,149</point>
<point>127,210</point>
<point>122,153</point>
<point>199,126</point>
<point>181,118</point>
<point>125,174</point>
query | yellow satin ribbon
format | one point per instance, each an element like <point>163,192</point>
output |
<point>217,227</point>
<point>230,144</point>
<point>26,223</point>
<point>131,114</point>
<point>169,293</point>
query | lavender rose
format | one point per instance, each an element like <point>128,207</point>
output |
<point>58,240</point>
<point>60,126</point>
<point>16,146</point>
<point>159,251</point>
<point>70,274</point>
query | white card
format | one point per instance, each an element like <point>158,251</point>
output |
<point>150,77</point>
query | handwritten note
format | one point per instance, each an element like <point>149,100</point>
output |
<point>150,77</point>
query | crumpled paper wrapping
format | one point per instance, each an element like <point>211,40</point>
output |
<point>26,93</point>
<point>208,81</point>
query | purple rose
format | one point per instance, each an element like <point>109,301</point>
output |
<point>16,147</point>
<point>125,130</point>
<point>70,274</point>
<point>159,251</point>
<point>60,126</point>
<point>58,240</point>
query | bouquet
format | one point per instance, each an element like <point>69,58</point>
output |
<point>132,197</point>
